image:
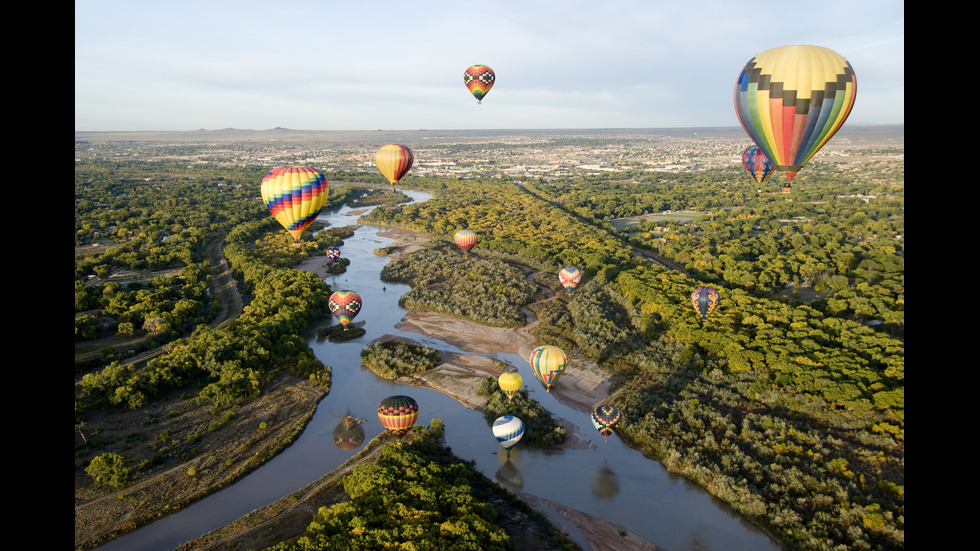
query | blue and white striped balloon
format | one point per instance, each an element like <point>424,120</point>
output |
<point>508,430</point>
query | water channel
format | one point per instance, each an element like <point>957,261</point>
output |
<point>607,479</point>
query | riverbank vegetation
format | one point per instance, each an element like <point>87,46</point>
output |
<point>485,290</point>
<point>418,495</point>
<point>393,359</point>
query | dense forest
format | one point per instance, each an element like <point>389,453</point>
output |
<point>787,403</point>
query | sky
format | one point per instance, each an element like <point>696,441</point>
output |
<point>374,64</point>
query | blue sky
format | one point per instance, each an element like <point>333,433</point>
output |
<point>372,64</point>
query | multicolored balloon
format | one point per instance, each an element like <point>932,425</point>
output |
<point>344,305</point>
<point>394,161</point>
<point>510,383</point>
<point>397,414</point>
<point>548,363</point>
<point>705,300</point>
<point>792,99</point>
<point>508,430</point>
<point>479,80</point>
<point>465,239</point>
<point>294,196</point>
<point>755,162</point>
<point>569,278</point>
<point>333,254</point>
<point>606,418</point>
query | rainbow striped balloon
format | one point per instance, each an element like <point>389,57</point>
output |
<point>344,305</point>
<point>465,239</point>
<point>294,195</point>
<point>792,99</point>
<point>569,278</point>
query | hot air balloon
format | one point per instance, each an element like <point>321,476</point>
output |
<point>465,239</point>
<point>548,363</point>
<point>479,80</point>
<point>294,195</point>
<point>394,161</point>
<point>344,305</point>
<point>755,162</point>
<point>569,278</point>
<point>705,300</point>
<point>510,383</point>
<point>508,430</point>
<point>333,254</point>
<point>606,418</point>
<point>398,414</point>
<point>792,99</point>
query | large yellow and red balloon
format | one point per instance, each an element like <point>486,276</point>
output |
<point>479,80</point>
<point>792,99</point>
<point>465,239</point>
<point>294,196</point>
<point>394,161</point>
<point>548,363</point>
<point>398,413</point>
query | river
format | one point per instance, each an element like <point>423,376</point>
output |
<point>606,479</point>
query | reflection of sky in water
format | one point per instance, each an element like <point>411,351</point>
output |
<point>605,479</point>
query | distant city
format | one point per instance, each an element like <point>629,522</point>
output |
<point>473,153</point>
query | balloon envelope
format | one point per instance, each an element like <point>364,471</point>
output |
<point>294,196</point>
<point>705,300</point>
<point>606,418</point>
<point>792,99</point>
<point>569,278</point>
<point>344,305</point>
<point>755,162</point>
<point>398,414</point>
<point>548,363</point>
<point>333,254</point>
<point>510,383</point>
<point>479,80</point>
<point>394,161</point>
<point>508,430</point>
<point>465,239</point>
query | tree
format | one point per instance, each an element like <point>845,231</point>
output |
<point>109,469</point>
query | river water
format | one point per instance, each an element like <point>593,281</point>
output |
<point>606,479</point>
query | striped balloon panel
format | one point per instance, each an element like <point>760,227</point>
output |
<point>548,362</point>
<point>465,239</point>
<point>398,414</point>
<point>394,161</point>
<point>791,100</point>
<point>294,195</point>
<point>508,430</point>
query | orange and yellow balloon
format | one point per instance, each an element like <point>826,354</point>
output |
<point>398,414</point>
<point>294,196</point>
<point>394,161</point>
<point>792,99</point>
